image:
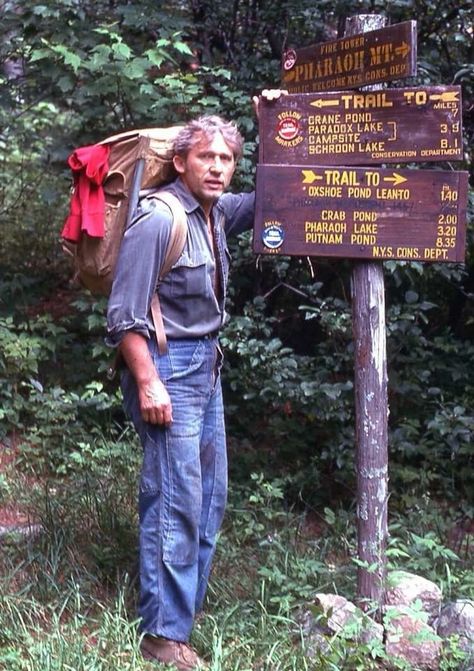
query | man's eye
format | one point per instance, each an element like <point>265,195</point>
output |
<point>211,158</point>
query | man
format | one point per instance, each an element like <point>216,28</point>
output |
<point>175,399</point>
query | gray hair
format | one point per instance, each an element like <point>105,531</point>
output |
<point>208,126</point>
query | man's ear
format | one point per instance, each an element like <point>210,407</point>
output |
<point>178,162</point>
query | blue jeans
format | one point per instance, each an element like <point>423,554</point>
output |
<point>183,486</point>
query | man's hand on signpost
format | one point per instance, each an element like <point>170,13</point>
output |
<point>268,94</point>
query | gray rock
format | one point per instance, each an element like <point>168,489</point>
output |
<point>404,589</point>
<point>409,637</point>
<point>331,615</point>
<point>344,615</point>
<point>457,619</point>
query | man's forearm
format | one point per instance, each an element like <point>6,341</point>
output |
<point>153,398</point>
<point>134,349</point>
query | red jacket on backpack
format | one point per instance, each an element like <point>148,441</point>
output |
<point>87,210</point>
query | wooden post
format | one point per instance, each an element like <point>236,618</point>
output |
<point>371,407</point>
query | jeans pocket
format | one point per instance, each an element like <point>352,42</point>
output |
<point>150,436</point>
<point>180,545</point>
<point>150,476</point>
<point>183,358</point>
<point>182,500</point>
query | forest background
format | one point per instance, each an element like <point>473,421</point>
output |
<point>75,71</point>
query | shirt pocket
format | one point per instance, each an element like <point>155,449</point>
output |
<point>189,276</point>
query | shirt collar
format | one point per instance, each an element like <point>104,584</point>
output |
<point>187,199</point>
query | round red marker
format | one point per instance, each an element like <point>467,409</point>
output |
<point>288,129</point>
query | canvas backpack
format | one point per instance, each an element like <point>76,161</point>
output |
<point>135,164</point>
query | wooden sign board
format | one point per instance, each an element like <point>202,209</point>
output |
<point>416,215</point>
<point>350,62</point>
<point>357,128</point>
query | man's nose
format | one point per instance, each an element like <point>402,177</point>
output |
<point>216,165</point>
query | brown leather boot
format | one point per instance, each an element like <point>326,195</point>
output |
<point>176,653</point>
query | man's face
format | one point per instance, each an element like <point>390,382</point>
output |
<point>207,169</point>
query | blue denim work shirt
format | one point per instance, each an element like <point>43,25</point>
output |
<point>191,306</point>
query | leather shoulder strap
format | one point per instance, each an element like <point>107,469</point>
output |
<point>179,231</point>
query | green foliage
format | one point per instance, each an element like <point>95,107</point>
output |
<point>21,349</point>
<point>73,641</point>
<point>38,357</point>
<point>435,549</point>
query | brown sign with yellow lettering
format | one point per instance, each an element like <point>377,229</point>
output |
<point>415,215</point>
<point>350,62</point>
<point>357,128</point>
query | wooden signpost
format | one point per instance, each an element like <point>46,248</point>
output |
<point>311,201</point>
<point>360,128</point>
<point>371,213</point>
<point>352,61</point>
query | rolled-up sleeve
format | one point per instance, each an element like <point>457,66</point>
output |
<point>140,259</point>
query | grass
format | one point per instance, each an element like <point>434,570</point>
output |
<point>68,594</point>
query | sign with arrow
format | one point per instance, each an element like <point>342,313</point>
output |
<point>358,128</point>
<point>350,62</point>
<point>371,213</point>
